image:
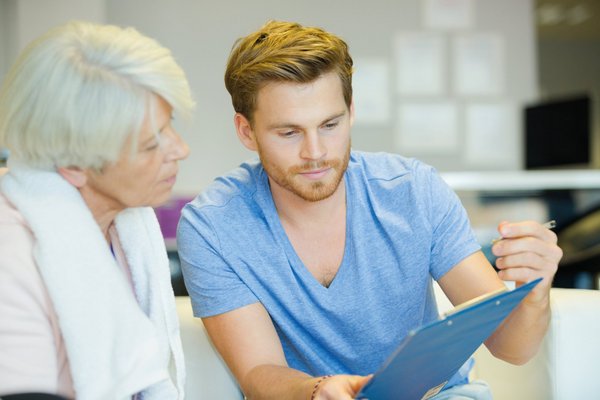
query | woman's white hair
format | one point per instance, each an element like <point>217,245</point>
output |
<point>76,94</point>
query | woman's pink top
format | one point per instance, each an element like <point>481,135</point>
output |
<point>33,357</point>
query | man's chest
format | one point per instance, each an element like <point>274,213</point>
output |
<point>320,250</point>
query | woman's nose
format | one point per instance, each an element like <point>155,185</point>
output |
<point>175,147</point>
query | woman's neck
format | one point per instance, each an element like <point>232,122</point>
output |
<point>103,212</point>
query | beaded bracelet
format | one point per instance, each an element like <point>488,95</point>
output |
<point>316,387</point>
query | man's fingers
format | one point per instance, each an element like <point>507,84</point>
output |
<point>526,228</point>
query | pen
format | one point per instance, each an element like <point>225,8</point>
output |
<point>549,225</point>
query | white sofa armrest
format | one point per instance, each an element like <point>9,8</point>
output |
<point>568,362</point>
<point>208,377</point>
<point>566,367</point>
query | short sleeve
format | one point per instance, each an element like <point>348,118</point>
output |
<point>452,236</point>
<point>213,285</point>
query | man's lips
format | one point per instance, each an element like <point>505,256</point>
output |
<point>315,174</point>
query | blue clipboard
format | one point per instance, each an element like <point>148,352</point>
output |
<point>429,356</point>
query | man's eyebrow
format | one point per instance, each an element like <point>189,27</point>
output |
<point>296,126</point>
<point>282,125</point>
<point>338,115</point>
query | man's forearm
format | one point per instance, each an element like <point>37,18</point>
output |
<point>276,382</point>
<point>518,339</point>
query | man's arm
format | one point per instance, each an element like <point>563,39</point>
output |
<point>248,342</point>
<point>527,252</point>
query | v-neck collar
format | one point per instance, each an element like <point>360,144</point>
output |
<point>273,220</point>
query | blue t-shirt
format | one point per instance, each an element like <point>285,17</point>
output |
<point>404,226</point>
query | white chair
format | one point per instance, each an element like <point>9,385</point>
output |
<point>207,375</point>
<point>566,367</point>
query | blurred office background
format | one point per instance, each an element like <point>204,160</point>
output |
<point>466,85</point>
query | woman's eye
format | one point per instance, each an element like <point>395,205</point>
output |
<point>152,146</point>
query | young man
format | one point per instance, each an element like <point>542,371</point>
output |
<point>317,259</point>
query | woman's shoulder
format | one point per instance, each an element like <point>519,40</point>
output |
<point>34,339</point>
<point>9,215</point>
<point>16,242</point>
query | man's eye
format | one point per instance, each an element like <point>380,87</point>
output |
<point>331,125</point>
<point>288,134</point>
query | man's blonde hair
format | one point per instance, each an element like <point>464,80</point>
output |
<point>284,52</point>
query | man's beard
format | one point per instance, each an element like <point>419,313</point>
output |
<point>309,191</point>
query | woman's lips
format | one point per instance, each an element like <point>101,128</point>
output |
<point>171,180</point>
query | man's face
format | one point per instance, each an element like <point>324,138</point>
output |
<point>302,135</point>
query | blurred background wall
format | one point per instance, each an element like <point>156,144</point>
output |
<point>390,40</point>
<point>446,81</point>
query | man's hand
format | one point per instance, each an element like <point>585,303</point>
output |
<point>339,387</point>
<point>526,252</point>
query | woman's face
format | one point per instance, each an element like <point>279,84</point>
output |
<point>145,178</point>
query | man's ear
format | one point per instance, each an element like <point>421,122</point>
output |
<point>352,112</point>
<point>74,175</point>
<point>245,132</point>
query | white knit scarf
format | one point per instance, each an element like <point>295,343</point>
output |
<point>118,343</point>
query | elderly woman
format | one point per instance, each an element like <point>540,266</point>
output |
<point>86,305</point>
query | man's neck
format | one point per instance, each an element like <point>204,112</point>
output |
<point>299,212</point>
<point>316,230</point>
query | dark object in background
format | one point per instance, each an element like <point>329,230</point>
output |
<point>579,239</point>
<point>168,217</point>
<point>558,133</point>
<point>32,396</point>
<point>4,153</point>
<point>177,282</point>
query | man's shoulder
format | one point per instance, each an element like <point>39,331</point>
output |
<point>387,166</point>
<point>232,191</point>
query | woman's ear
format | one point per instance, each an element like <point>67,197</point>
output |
<point>245,132</point>
<point>74,175</point>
